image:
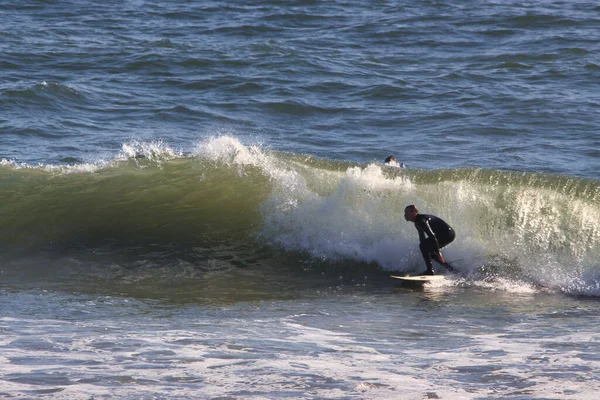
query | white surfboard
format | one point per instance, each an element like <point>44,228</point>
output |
<point>420,278</point>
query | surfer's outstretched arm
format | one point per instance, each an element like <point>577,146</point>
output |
<point>449,267</point>
<point>436,257</point>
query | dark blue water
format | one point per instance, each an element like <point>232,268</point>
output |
<point>507,85</point>
<point>193,201</point>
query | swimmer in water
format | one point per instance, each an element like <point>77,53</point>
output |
<point>392,162</point>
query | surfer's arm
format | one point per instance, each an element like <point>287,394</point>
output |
<point>421,234</point>
<point>426,229</point>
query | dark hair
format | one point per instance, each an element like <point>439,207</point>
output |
<point>412,208</point>
<point>390,158</point>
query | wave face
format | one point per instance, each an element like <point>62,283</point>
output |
<point>226,205</point>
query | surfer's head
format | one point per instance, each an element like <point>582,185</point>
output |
<point>391,161</point>
<point>410,213</point>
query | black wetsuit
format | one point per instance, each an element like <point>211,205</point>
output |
<point>439,234</point>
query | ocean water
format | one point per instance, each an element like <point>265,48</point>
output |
<point>193,203</point>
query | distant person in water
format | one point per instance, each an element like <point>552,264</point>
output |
<point>434,234</point>
<point>391,161</point>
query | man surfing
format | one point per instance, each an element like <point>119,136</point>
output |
<point>439,234</point>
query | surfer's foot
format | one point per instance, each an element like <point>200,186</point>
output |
<point>428,272</point>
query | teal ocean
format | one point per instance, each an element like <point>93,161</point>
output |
<point>194,203</point>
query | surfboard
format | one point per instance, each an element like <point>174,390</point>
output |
<point>420,278</point>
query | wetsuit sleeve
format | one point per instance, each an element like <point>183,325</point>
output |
<point>423,227</point>
<point>421,234</point>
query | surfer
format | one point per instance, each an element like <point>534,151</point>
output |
<point>392,162</point>
<point>439,234</point>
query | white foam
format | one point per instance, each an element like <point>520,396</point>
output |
<point>506,285</point>
<point>61,169</point>
<point>352,216</point>
<point>141,351</point>
<point>152,150</point>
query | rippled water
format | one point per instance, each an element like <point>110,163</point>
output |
<point>501,84</point>
<point>333,343</point>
